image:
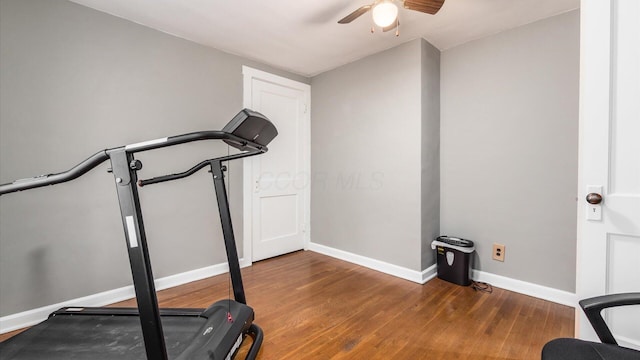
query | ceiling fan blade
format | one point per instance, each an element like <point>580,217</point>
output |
<point>391,27</point>
<point>354,15</point>
<point>425,6</point>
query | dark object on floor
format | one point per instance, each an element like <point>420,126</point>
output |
<point>559,349</point>
<point>453,258</point>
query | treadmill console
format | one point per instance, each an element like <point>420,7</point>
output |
<point>251,126</point>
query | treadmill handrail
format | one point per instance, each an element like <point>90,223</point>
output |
<point>195,168</point>
<point>52,179</point>
<point>194,136</point>
<point>99,157</point>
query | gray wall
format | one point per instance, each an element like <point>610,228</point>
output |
<point>509,149</point>
<point>367,161</point>
<point>74,81</point>
<point>430,151</point>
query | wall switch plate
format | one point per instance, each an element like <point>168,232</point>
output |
<point>498,252</point>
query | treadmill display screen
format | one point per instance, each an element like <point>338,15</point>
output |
<point>251,126</point>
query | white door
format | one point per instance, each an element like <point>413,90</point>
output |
<point>609,234</point>
<point>277,183</point>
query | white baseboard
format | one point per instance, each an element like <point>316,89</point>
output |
<point>429,273</point>
<point>527,288</point>
<point>391,269</point>
<point>522,287</point>
<point>31,317</point>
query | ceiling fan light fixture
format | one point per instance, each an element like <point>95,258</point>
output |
<point>385,13</point>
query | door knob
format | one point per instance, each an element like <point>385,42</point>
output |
<point>594,198</point>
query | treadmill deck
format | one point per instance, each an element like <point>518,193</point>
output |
<point>115,333</point>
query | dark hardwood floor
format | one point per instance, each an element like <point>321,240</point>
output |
<point>311,306</point>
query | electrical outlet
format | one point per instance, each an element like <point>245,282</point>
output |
<point>498,252</point>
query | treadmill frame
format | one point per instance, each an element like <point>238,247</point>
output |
<point>124,167</point>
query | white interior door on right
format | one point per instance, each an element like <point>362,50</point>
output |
<point>609,232</point>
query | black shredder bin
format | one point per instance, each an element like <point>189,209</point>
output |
<point>453,256</point>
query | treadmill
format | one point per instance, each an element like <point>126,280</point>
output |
<point>147,331</point>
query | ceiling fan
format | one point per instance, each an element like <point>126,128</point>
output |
<point>385,12</point>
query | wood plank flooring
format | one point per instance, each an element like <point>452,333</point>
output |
<point>311,306</point>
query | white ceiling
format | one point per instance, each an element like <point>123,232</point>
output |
<point>303,36</point>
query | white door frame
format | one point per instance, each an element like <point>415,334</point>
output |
<point>247,183</point>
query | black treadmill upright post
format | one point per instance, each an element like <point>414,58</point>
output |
<point>124,169</point>
<point>227,231</point>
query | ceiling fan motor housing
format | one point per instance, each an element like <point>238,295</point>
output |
<point>387,10</point>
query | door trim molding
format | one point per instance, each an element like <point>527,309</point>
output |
<point>248,74</point>
<point>595,57</point>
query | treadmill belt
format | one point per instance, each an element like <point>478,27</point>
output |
<point>96,338</point>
